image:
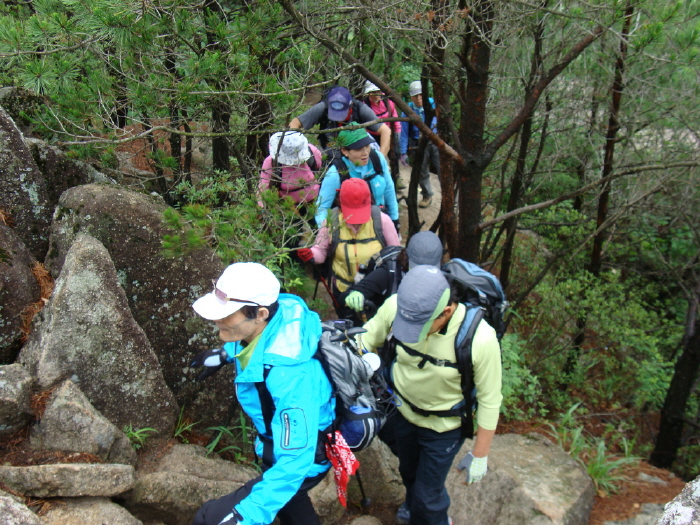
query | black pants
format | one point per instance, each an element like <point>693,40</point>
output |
<point>297,511</point>
<point>425,458</point>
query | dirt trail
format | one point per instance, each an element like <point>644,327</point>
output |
<point>427,215</point>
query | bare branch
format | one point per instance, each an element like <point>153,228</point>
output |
<point>546,204</point>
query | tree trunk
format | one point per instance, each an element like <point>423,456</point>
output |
<point>610,140</point>
<point>517,184</point>
<point>476,57</point>
<point>670,435</point>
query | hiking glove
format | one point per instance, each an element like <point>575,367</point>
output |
<point>305,254</point>
<point>397,225</point>
<point>404,159</point>
<point>212,360</point>
<point>355,300</point>
<point>475,467</point>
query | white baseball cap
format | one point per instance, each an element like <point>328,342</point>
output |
<point>415,88</point>
<point>370,88</point>
<point>241,284</point>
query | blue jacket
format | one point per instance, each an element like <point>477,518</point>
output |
<point>302,396</point>
<point>410,130</point>
<point>382,188</point>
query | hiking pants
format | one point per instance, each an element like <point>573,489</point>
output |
<point>297,511</point>
<point>425,458</point>
<point>431,158</point>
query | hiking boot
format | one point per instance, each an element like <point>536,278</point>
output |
<point>399,184</point>
<point>427,199</point>
<point>403,515</point>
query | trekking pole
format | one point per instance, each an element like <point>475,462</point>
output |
<point>328,289</point>
<point>365,502</point>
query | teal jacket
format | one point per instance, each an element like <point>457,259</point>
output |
<point>302,396</point>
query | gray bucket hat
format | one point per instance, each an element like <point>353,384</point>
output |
<point>422,296</point>
<point>424,248</point>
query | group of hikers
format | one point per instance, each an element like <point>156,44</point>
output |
<point>410,305</point>
<point>372,153</point>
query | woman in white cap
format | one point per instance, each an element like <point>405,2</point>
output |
<point>271,338</point>
<point>291,167</point>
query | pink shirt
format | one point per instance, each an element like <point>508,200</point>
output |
<point>299,182</point>
<point>323,240</point>
<point>380,110</point>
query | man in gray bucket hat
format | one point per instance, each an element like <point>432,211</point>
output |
<point>424,318</point>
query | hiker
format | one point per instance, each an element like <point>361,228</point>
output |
<point>354,233</point>
<point>358,161</point>
<point>336,110</point>
<point>374,288</point>
<point>410,135</point>
<point>380,104</point>
<point>271,338</point>
<point>424,317</point>
<point>291,167</point>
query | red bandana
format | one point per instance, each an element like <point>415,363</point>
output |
<point>344,464</point>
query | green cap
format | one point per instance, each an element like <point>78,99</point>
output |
<point>354,138</point>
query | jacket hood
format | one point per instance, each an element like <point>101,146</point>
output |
<point>291,337</point>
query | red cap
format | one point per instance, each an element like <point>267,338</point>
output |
<point>355,201</point>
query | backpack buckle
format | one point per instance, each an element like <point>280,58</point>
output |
<point>440,362</point>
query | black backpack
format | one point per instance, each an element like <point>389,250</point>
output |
<point>344,173</point>
<point>482,294</point>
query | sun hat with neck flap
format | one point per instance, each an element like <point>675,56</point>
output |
<point>294,149</point>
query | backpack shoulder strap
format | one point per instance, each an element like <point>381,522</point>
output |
<point>311,163</point>
<point>463,353</point>
<point>376,164</point>
<point>267,407</point>
<point>377,222</point>
<point>343,171</point>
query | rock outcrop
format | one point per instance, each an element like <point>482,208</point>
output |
<point>71,424</point>
<point>60,171</point>
<point>530,480</point>
<point>86,333</point>
<point>160,291</point>
<point>15,396</point>
<point>24,195</point>
<point>88,511</point>
<point>685,508</point>
<point>69,480</point>
<point>16,513</point>
<point>18,291</point>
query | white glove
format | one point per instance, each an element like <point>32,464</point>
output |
<point>476,467</point>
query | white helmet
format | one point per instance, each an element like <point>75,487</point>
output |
<point>415,88</point>
<point>370,88</point>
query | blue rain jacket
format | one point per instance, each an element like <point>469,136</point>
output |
<point>302,396</point>
<point>409,130</point>
<point>382,187</point>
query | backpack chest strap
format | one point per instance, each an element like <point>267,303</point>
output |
<point>425,358</point>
